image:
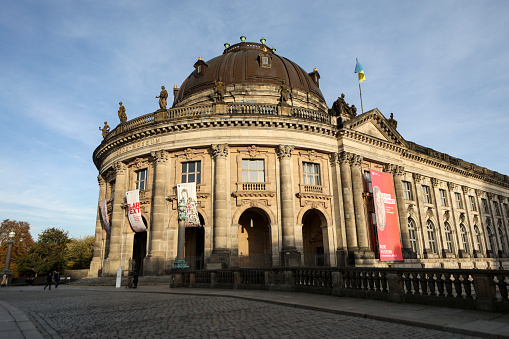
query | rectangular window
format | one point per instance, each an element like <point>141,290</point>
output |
<point>473,207</point>
<point>191,172</point>
<point>407,190</point>
<point>485,208</point>
<point>141,180</point>
<point>457,196</point>
<point>368,187</point>
<point>311,173</point>
<point>496,207</point>
<point>426,194</point>
<point>253,170</point>
<point>443,197</point>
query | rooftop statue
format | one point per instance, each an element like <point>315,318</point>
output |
<point>219,91</point>
<point>121,113</point>
<point>163,96</point>
<point>105,129</point>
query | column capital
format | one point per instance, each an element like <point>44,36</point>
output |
<point>101,180</point>
<point>120,167</point>
<point>345,157</point>
<point>284,151</point>
<point>160,157</point>
<point>356,160</point>
<point>434,182</point>
<point>220,150</point>
<point>500,198</point>
<point>334,158</point>
<point>490,195</point>
<point>478,192</point>
<point>417,177</point>
<point>465,189</point>
<point>451,186</point>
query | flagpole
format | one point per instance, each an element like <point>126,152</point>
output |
<point>360,91</point>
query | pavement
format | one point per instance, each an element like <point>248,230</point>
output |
<point>15,324</point>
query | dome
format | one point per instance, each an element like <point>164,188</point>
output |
<point>248,64</point>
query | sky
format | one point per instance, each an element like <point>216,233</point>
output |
<point>440,66</point>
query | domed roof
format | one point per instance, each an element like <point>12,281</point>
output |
<point>248,63</point>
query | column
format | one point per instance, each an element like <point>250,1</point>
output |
<point>360,210</point>
<point>290,255</point>
<point>504,222</point>
<point>339,212</point>
<point>95,265</point>
<point>220,254</point>
<point>154,261</point>
<point>455,214</point>
<point>346,181</point>
<point>398,172</point>
<point>468,227</point>
<point>441,221</point>
<point>420,204</point>
<point>117,218</point>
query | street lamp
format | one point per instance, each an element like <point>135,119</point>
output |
<point>10,243</point>
<point>180,262</point>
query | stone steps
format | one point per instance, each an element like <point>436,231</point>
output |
<point>111,281</point>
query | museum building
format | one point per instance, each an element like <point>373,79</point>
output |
<point>284,180</point>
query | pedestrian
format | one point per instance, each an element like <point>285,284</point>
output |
<point>49,278</point>
<point>135,279</point>
<point>56,278</point>
<point>4,280</point>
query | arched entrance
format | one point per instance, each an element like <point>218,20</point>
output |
<point>312,237</point>
<point>254,239</point>
<point>195,245</point>
<point>139,249</point>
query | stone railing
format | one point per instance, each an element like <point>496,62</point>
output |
<point>471,289</point>
<point>207,110</point>
<point>253,186</point>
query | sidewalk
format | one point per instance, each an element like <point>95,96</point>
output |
<point>469,322</point>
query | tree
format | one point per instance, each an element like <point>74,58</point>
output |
<point>79,253</point>
<point>48,254</point>
<point>22,242</point>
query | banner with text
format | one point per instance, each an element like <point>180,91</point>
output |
<point>103,206</point>
<point>134,211</point>
<point>188,192</point>
<point>386,216</point>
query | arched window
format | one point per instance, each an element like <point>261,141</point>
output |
<point>464,239</point>
<point>448,237</point>
<point>478,238</point>
<point>431,236</point>
<point>412,234</point>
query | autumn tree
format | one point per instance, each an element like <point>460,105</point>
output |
<point>79,253</point>
<point>22,242</point>
<point>48,254</point>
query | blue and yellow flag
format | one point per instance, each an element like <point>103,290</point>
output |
<point>360,71</point>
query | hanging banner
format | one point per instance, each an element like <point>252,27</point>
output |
<point>386,216</point>
<point>134,211</point>
<point>188,192</point>
<point>104,216</point>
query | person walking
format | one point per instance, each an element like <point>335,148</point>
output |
<point>49,278</point>
<point>4,280</point>
<point>56,278</point>
<point>135,279</point>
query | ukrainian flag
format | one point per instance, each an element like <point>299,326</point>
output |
<point>360,71</point>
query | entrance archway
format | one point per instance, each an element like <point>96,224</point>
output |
<point>312,237</point>
<point>254,239</point>
<point>139,249</point>
<point>195,246</point>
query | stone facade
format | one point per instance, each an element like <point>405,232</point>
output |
<point>283,182</point>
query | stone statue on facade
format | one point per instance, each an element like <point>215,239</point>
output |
<point>341,108</point>
<point>284,93</point>
<point>105,130</point>
<point>121,113</point>
<point>163,96</point>
<point>392,121</point>
<point>219,91</point>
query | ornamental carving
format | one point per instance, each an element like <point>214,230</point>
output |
<point>434,182</point>
<point>478,192</point>
<point>253,151</point>
<point>356,159</point>
<point>345,157</point>
<point>465,189</point>
<point>462,217</point>
<point>429,213</point>
<point>476,220</point>
<point>501,198</point>
<point>283,151</point>
<point>447,215</point>
<point>190,153</point>
<point>451,186</point>
<point>334,158</point>
<point>389,168</point>
<point>490,195</point>
<point>101,180</point>
<point>120,167</point>
<point>139,163</point>
<point>160,157</point>
<point>220,151</point>
<point>417,177</point>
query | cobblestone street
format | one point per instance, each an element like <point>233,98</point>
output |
<point>119,313</point>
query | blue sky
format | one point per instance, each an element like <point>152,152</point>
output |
<point>440,66</point>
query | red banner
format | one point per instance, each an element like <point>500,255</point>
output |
<point>389,241</point>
